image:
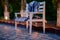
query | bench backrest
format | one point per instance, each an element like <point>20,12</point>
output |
<point>41,7</point>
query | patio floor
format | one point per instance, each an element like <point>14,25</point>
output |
<point>7,32</point>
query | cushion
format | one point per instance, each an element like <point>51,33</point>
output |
<point>21,19</point>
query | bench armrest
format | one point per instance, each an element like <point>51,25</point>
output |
<point>16,14</point>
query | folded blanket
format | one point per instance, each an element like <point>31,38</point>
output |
<point>32,6</point>
<point>21,19</point>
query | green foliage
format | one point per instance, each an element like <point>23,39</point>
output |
<point>51,11</point>
<point>28,1</point>
<point>11,8</point>
<point>1,9</point>
<point>54,3</point>
<point>14,6</point>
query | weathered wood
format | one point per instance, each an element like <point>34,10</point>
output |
<point>6,13</point>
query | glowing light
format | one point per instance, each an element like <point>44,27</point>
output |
<point>6,18</point>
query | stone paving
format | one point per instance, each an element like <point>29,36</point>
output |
<point>8,32</point>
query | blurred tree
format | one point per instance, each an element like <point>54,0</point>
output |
<point>6,9</point>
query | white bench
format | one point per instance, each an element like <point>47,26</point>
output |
<point>41,10</point>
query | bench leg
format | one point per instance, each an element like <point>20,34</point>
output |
<point>26,24</point>
<point>43,26</point>
<point>30,28</point>
<point>15,25</point>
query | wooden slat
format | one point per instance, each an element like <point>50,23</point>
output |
<point>34,20</point>
<point>36,12</point>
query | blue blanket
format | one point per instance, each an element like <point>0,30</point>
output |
<point>32,6</point>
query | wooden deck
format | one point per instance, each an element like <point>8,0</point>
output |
<point>36,24</point>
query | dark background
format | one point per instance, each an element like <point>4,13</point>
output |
<point>14,6</point>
